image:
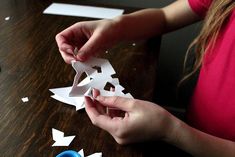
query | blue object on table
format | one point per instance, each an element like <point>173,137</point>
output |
<point>69,153</point>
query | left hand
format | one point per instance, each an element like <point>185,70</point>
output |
<point>142,120</point>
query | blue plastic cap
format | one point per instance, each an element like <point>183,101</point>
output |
<point>69,153</point>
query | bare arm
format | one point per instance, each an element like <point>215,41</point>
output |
<point>150,22</point>
<point>199,143</point>
<point>147,121</point>
<point>91,37</point>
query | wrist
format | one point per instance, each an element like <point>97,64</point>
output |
<point>120,27</point>
<point>172,134</point>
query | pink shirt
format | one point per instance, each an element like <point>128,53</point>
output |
<point>212,107</point>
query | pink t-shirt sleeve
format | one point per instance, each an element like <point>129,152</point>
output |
<point>200,7</point>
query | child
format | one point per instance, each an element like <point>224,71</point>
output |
<point>211,113</point>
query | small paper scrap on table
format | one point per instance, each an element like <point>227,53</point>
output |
<point>81,152</point>
<point>97,79</point>
<point>25,99</point>
<point>60,139</point>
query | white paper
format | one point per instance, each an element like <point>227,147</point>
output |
<point>81,152</point>
<point>83,11</point>
<point>62,94</point>
<point>25,99</point>
<point>60,140</point>
<point>95,155</point>
<point>7,18</point>
<point>95,80</point>
<point>98,80</point>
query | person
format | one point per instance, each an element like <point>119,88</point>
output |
<point>210,127</point>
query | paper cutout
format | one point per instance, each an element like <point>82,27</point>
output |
<point>7,18</point>
<point>98,80</point>
<point>95,79</point>
<point>82,11</point>
<point>81,152</point>
<point>60,140</point>
<point>25,99</point>
<point>95,155</point>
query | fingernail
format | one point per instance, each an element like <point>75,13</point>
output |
<point>93,91</point>
<point>99,98</point>
<point>69,51</point>
<point>75,52</point>
<point>81,56</point>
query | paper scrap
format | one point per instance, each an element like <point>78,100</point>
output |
<point>25,99</point>
<point>95,155</point>
<point>60,140</point>
<point>82,10</point>
<point>81,152</point>
<point>95,79</point>
<point>7,18</point>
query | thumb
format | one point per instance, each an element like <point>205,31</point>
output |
<point>124,104</point>
<point>90,47</point>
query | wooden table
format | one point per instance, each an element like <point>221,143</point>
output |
<point>31,64</point>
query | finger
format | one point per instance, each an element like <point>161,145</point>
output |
<point>67,57</point>
<point>103,121</point>
<point>100,107</point>
<point>67,48</point>
<point>90,108</point>
<point>64,37</point>
<point>121,103</point>
<point>90,47</point>
<point>94,106</point>
<point>113,112</point>
<point>95,92</point>
<point>67,41</point>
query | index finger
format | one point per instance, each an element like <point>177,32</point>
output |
<point>101,120</point>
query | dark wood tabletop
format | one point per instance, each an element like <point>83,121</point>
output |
<point>31,64</point>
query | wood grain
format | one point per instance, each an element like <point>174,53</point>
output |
<point>31,64</point>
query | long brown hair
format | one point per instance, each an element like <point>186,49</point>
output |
<point>217,15</point>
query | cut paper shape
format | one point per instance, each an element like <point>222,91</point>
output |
<point>25,99</point>
<point>98,79</point>
<point>99,72</point>
<point>82,11</point>
<point>81,152</point>
<point>60,139</point>
<point>62,94</point>
<point>95,155</point>
<point>7,18</point>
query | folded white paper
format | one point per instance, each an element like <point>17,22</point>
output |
<point>81,152</point>
<point>83,11</point>
<point>95,80</point>
<point>60,140</point>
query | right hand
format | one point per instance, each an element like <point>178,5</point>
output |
<point>88,37</point>
<point>141,120</point>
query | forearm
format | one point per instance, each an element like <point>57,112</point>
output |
<point>199,143</point>
<point>141,24</point>
<point>151,22</point>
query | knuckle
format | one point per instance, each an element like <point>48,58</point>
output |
<point>132,103</point>
<point>120,133</point>
<point>120,141</point>
<point>68,61</point>
<point>94,122</point>
<point>57,36</point>
<point>115,100</point>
